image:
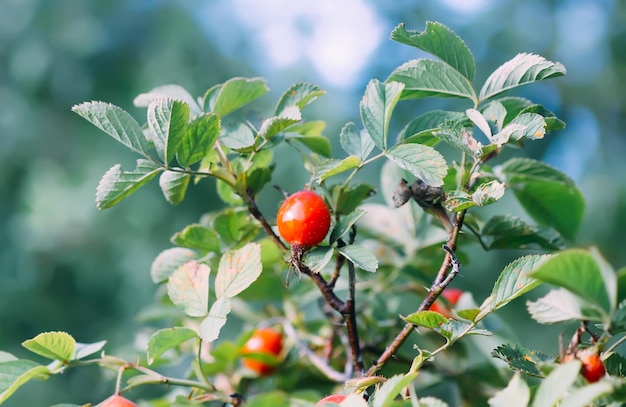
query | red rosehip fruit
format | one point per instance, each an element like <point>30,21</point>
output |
<point>451,297</point>
<point>303,219</point>
<point>117,401</point>
<point>592,367</point>
<point>333,398</point>
<point>265,341</point>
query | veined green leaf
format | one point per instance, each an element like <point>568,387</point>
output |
<point>513,282</point>
<point>116,184</point>
<point>174,185</point>
<point>457,135</point>
<point>166,339</point>
<point>442,42</point>
<point>238,136</point>
<point>548,195</point>
<point>429,121</point>
<point>237,270</point>
<point>356,142</point>
<point>276,124</point>
<point>425,77</point>
<point>561,305</point>
<point>516,394</point>
<point>188,288</point>
<point>300,95</point>
<point>233,94</point>
<point>376,108</point>
<point>169,260</point>
<point>15,373</point>
<point>522,69</point>
<point>116,122</point>
<point>557,384</point>
<point>167,121</point>
<point>511,232</point>
<point>212,325</point>
<point>422,161</point>
<point>360,256</point>
<point>583,273</point>
<point>385,395</point>
<point>176,92</point>
<point>521,359</point>
<point>197,237</point>
<point>199,138</point>
<point>52,345</point>
<point>331,167</point>
<point>427,319</point>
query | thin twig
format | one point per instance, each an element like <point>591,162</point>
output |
<point>433,293</point>
<point>254,211</point>
<point>349,315</point>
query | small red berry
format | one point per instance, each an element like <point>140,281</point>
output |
<point>303,219</point>
<point>592,367</point>
<point>262,341</point>
<point>333,398</point>
<point>117,401</point>
<point>451,295</point>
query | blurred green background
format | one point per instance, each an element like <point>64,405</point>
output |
<point>66,266</point>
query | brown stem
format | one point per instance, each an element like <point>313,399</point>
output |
<point>254,211</point>
<point>349,315</point>
<point>327,292</point>
<point>433,293</point>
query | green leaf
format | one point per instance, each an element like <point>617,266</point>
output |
<point>167,121</point>
<point>385,395</point>
<point>235,226</point>
<point>116,184</point>
<point>521,359</point>
<point>86,349</point>
<point>488,193</point>
<point>516,394</point>
<point>557,384</point>
<point>513,282</point>
<point>52,345</point>
<point>237,270</point>
<point>458,201</point>
<point>355,142</point>
<point>15,373</point>
<point>561,305</point>
<point>584,396</point>
<point>457,135</point>
<point>345,224</point>
<point>197,237</point>
<point>453,330</point>
<point>316,143</point>
<point>235,93</point>
<point>166,339</point>
<point>176,92</point>
<point>511,232</point>
<point>331,167</point>
<point>238,136</point>
<point>318,258</point>
<point>427,124</point>
<point>522,69</point>
<point>276,124</point>
<point>199,138</point>
<point>427,319</point>
<point>169,260</point>
<point>212,325</point>
<point>300,95</point>
<point>583,273</point>
<point>349,199</point>
<point>116,122</point>
<point>548,196</point>
<point>174,185</point>
<point>188,288</point>
<point>360,256</point>
<point>425,77</point>
<point>440,41</point>
<point>422,161</point>
<point>376,108</point>
<point>533,126</point>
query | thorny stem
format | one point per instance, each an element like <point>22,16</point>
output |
<point>436,289</point>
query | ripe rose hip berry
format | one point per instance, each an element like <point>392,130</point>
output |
<point>333,398</point>
<point>592,367</point>
<point>265,341</point>
<point>451,295</point>
<point>303,219</point>
<point>117,401</point>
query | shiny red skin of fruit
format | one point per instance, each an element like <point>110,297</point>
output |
<point>592,367</point>
<point>262,341</point>
<point>303,219</point>
<point>452,295</point>
<point>333,398</point>
<point>117,401</point>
